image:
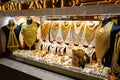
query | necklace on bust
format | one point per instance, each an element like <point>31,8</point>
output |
<point>29,33</point>
<point>90,32</point>
<point>65,29</point>
<point>45,30</point>
<point>54,30</point>
<point>77,31</point>
<point>102,41</point>
<point>12,40</point>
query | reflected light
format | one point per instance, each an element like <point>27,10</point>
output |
<point>7,20</point>
<point>21,20</point>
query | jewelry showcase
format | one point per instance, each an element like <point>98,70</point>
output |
<point>81,47</point>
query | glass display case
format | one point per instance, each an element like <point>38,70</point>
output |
<point>76,41</point>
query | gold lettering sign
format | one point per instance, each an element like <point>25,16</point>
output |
<point>19,6</point>
<point>35,5</point>
<point>42,4</point>
<point>10,7</point>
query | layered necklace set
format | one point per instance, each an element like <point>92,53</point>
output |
<point>12,41</point>
<point>45,30</point>
<point>77,32</point>
<point>65,29</point>
<point>54,30</point>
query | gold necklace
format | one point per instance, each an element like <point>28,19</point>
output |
<point>45,30</point>
<point>29,33</point>
<point>102,40</point>
<point>12,40</point>
<point>65,29</point>
<point>76,36</point>
<point>55,27</point>
<point>90,32</point>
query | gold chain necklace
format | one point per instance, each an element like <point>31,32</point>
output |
<point>45,30</point>
<point>65,29</point>
<point>55,27</point>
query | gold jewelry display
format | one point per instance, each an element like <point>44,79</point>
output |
<point>77,31</point>
<point>45,30</point>
<point>29,33</point>
<point>12,41</point>
<point>65,29</point>
<point>54,29</point>
<point>102,41</point>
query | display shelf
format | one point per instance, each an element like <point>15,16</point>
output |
<point>106,9</point>
<point>23,71</point>
<point>56,68</point>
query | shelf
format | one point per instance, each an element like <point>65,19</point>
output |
<point>57,68</point>
<point>106,9</point>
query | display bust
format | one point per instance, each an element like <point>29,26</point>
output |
<point>10,35</point>
<point>28,35</point>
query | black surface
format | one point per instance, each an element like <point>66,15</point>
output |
<point>7,73</point>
